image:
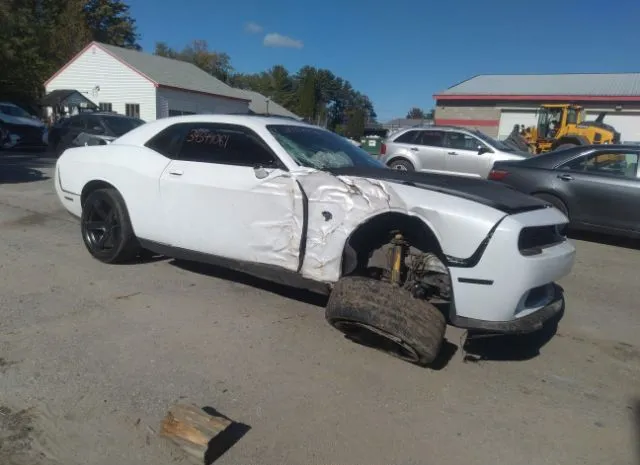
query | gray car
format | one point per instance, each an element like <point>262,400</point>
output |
<point>447,150</point>
<point>597,187</point>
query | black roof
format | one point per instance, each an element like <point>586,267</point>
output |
<point>58,96</point>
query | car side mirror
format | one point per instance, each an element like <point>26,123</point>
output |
<point>482,150</point>
<point>260,171</point>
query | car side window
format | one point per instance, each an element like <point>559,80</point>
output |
<point>76,122</point>
<point>225,144</point>
<point>606,163</point>
<point>461,141</point>
<point>408,137</point>
<point>91,122</point>
<point>167,142</point>
<point>431,138</point>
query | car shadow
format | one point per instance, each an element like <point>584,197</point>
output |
<point>481,346</point>
<point>226,274</point>
<point>606,239</point>
<point>23,167</point>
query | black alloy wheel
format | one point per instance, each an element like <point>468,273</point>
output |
<point>101,226</point>
<point>106,227</point>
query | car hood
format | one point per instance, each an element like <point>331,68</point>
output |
<point>21,121</point>
<point>489,193</point>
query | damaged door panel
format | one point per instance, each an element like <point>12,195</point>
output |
<point>243,213</point>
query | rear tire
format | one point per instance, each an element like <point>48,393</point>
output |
<point>401,165</point>
<point>106,228</point>
<point>380,315</point>
<point>555,201</point>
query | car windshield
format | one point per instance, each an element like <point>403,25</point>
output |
<point>493,142</point>
<point>320,149</point>
<point>14,111</point>
<point>120,125</point>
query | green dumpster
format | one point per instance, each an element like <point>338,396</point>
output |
<point>372,144</point>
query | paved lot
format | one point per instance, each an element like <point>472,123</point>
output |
<point>95,355</point>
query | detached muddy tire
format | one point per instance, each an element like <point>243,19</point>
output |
<point>382,316</point>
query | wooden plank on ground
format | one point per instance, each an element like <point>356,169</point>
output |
<point>192,429</point>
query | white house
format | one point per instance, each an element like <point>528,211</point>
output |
<point>144,85</point>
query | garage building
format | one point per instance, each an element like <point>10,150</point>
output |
<point>495,103</point>
<point>145,86</point>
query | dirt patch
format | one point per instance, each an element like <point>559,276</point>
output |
<point>32,219</point>
<point>4,364</point>
<point>15,438</point>
<point>618,350</point>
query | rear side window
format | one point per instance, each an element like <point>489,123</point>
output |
<point>408,137</point>
<point>167,141</point>
<point>76,122</point>
<point>606,163</point>
<point>431,138</point>
<point>92,122</point>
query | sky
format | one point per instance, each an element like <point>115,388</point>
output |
<point>402,52</point>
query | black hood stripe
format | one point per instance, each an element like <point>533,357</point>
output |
<point>492,194</point>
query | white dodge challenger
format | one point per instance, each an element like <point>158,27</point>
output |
<point>296,204</point>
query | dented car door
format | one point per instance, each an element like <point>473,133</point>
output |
<point>227,194</point>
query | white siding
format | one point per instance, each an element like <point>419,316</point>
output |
<point>118,83</point>
<point>509,118</point>
<point>627,124</point>
<point>197,103</point>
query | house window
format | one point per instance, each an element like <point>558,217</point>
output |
<point>105,106</point>
<point>132,109</point>
<point>180,113</point>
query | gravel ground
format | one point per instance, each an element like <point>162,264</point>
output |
<point>92,356</point>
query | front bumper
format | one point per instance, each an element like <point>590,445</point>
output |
<point>29,136</point>
<point>526,324</point>
<point>506,291</point>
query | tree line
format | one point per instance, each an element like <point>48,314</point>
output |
<point>316,94</point>
<point>417,113</point>
<point>37,37</point>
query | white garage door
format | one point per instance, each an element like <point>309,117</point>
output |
<point>509,118</point>
<point>627,124</point>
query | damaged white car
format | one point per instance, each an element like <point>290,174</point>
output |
<point>299,205</point>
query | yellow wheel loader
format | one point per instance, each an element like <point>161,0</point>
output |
<point>562,126</point>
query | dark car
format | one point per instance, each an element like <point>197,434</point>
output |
<point>19,128</point>
<point>89,128</point>
<point>596,186</point>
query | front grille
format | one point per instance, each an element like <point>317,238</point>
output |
<point>535,238</point>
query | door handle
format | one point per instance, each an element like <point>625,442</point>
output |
<point>414,149</point>
<point>565,177</point>
<point>452,153</point>
<point>176,172</point>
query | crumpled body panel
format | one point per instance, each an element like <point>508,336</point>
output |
<point>337,206</point>
<point>276,233</point>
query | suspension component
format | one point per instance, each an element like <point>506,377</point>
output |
<point>398,254</point>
